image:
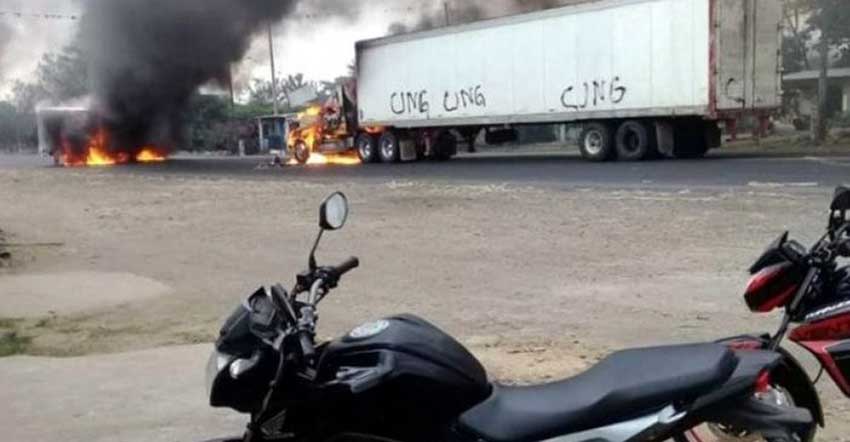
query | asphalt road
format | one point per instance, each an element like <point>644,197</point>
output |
<point>718,170</point>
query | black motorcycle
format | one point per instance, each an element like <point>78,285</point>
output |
<point>402,379</point>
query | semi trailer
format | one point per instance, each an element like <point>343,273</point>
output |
<point>643,79</point>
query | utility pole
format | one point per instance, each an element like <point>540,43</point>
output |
<point>446,10</point>
<point>274,75</point>
<point>230,84</point>
<point>820,124</point>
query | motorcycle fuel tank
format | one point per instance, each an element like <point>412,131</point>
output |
<point>408,363</point>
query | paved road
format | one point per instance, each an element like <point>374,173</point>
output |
<point>718,170</point>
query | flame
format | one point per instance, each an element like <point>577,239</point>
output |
<point>310,130</point>
<point>97,153</point>
<point>149,155</point>
<point>312,111</point>
<point>339,159</point>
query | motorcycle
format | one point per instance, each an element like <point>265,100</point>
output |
<point>814,290</point>
<point>403,379</point>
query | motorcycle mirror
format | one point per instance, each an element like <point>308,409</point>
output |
<point>334,212</point>
<point>841,201</point>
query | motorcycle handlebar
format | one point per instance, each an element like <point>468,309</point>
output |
<point>347,266</point>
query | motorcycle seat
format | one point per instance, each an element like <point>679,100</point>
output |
<point>626,385</point>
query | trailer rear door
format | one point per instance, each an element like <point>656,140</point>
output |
<point>748,58</point>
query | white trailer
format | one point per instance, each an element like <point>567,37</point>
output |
<point>643,77</point>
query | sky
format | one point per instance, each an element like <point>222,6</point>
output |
<point>321,49</point>
<point>319,45</point>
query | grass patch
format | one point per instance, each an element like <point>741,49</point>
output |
<point>11,343</point>
<point>9,323</point>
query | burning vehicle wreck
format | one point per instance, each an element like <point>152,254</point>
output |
<point>321,133</point>
<point>79,136</point>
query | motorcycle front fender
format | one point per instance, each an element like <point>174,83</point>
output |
<point>790,373</point>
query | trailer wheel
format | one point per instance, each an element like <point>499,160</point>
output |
<point>445,146</point>
<point>390,151</point>
<point>302,152</point>
<point>367,148</point>
<point>634,141</point>
<point>596,143</point>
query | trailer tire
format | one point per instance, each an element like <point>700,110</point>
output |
<point>445,146</point>
<point>596,142</point>
<point>634,141</point>
<point>389,148</point>
<point>367,148</point>
<point>302,152</point>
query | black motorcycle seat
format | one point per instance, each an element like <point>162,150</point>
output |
<point>625,385</point>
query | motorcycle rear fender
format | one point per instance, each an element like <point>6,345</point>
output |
<point>791,370</point>
<point>750,365</point>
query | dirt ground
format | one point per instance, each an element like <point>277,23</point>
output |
<point>538,281</point>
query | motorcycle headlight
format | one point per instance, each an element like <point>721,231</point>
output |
<point>242,366</point>
<point>218,361</point>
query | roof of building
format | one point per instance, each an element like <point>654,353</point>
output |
<point>815,74</point>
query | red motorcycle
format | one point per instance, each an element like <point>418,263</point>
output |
<point>814,290</point>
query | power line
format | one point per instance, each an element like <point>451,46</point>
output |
<point>37,15</point>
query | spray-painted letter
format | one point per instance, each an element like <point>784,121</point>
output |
<point>617,89</point>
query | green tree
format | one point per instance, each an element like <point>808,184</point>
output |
<point>202,119</point>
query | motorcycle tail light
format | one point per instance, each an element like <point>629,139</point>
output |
<point>763,382</point>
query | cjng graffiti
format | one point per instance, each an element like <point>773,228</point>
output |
<point>418,102</point>
<point>410,102</point>
<point>465,98</point>
<point>593,93</point>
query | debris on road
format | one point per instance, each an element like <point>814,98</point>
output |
<point>5,254</point>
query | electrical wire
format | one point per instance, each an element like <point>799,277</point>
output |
<point>37,15</point>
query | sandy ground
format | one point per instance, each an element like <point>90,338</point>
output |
<point>538,281</point>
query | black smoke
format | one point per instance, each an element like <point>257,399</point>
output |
<point>148,57</point>
<point>460,12</point>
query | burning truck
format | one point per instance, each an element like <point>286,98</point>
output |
<point>643,79</point>
<point>79,136</point>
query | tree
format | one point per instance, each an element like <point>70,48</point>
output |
<point>16,129</point>
<point>260,91</point>
<point>831,20</point>
<point>795,41</point>
<point>59,77</point>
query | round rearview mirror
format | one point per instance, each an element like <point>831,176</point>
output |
<point>334,212</point>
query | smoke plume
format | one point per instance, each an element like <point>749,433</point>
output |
<point>474,10</point>
<point>147,57</point>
